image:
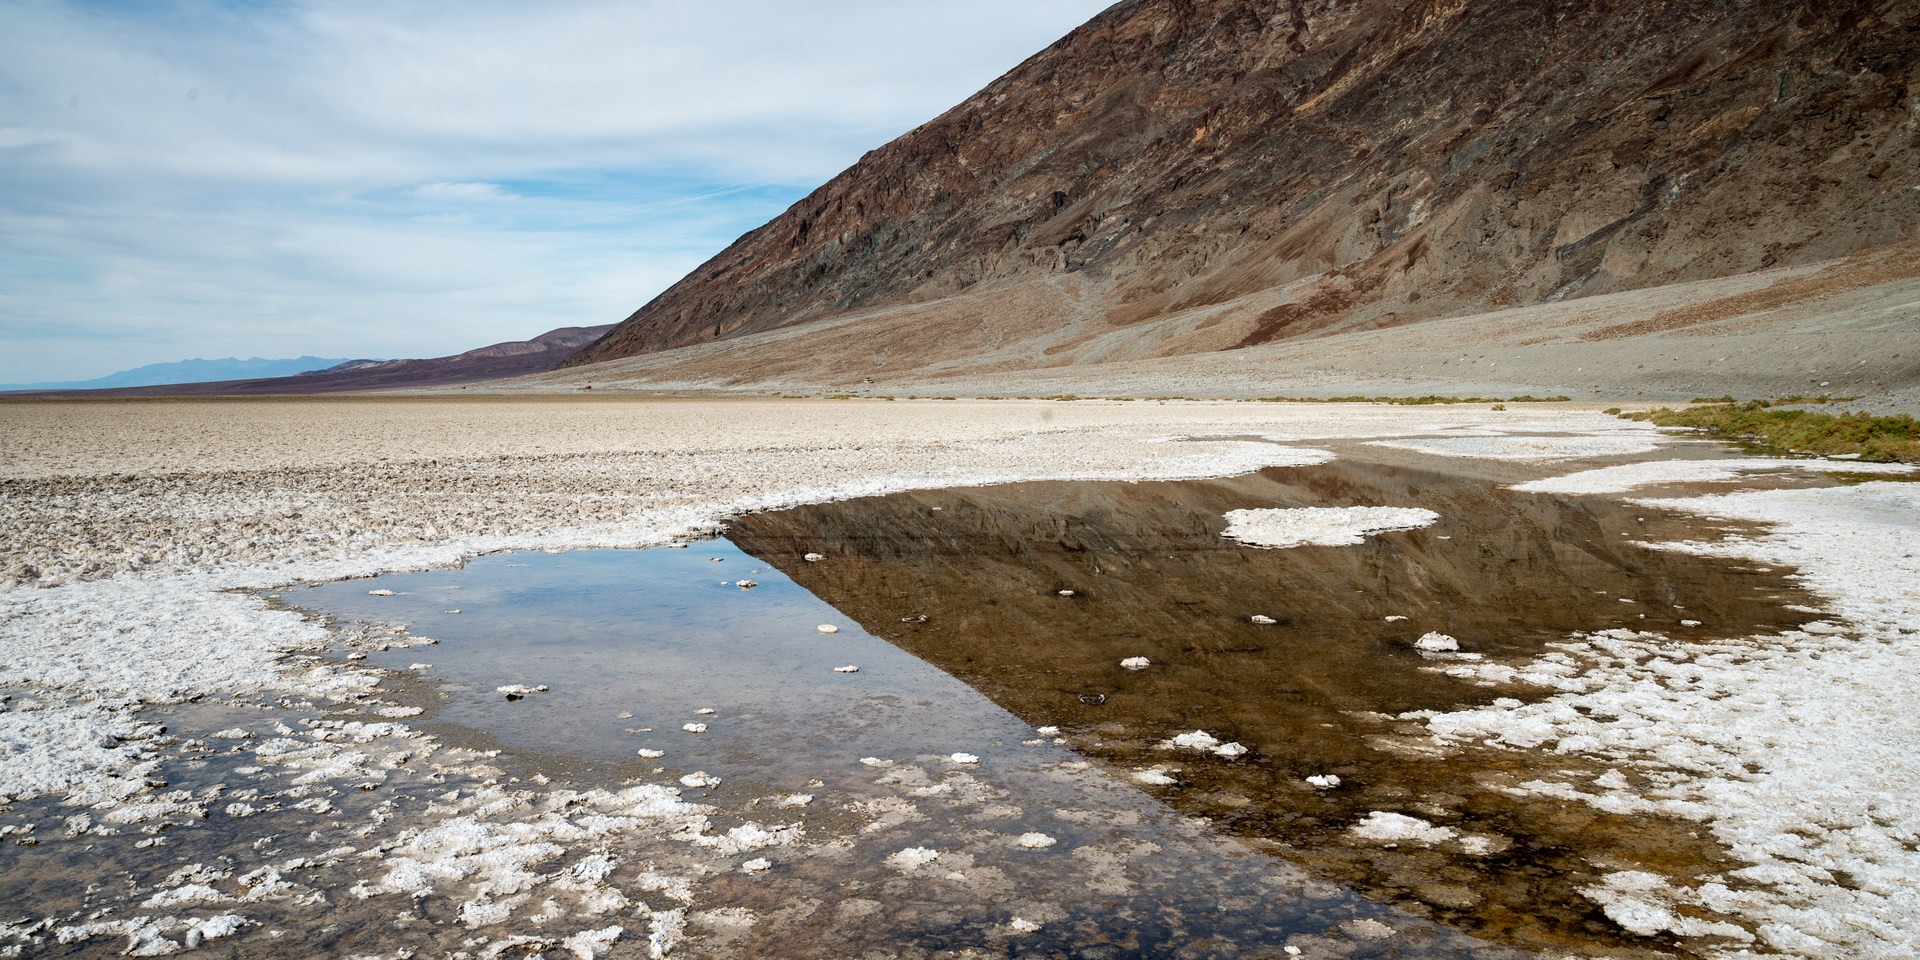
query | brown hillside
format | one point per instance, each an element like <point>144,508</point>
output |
<point>1310,167</point>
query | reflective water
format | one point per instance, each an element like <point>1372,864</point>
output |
<point>1034,593</point>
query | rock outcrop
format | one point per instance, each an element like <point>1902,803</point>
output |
<point>1277,169</point>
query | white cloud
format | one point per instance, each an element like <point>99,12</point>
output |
<point>462,192</point>
<point>210,180</point>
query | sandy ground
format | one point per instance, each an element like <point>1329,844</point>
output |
<point>129,531</point>
<point>1845,328</point>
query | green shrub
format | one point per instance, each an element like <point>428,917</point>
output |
<point>1880,439</point>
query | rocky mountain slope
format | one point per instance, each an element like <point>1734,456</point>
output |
<point>1243,172</point>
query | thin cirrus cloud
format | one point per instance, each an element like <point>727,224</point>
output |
<point>415,179</point>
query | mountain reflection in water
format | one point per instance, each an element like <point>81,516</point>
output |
<point>1034,593</point>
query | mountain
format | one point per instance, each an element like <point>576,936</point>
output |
<point>509,359</point>
<point>1188,176</point>
<point>187,371</point>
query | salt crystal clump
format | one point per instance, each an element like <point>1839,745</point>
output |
<point>380,593</point>
<point>912,858</point>
<point>849,668</point>
<point>1400,828</point>
<point>705,711</point>
<point>1048,731</point>
<point>1323,781</point>
<point>1136,663</point>
<point>1204,741</point>
<point>756,865</point>
<point>964,758</point>
<point>1395,618</point>
<point>1022,925</point>
<point>1066,593</point>
<point>814,557</point>
<point>1155,777</point>
<point>1436,643</point>
<point>747,584</point>
<point>1260,618</point>
<point>694,727</point>
<point>827,628</point>
<point>1321,526</point>
<point>516,691</point>
<point>650,754</point>
<point>1035,841</point>
<point>876,762</point>
<point>699,778</point>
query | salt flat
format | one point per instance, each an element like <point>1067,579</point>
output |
<point>134,536</point>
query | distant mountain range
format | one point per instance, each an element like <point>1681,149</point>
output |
<point>316,375</point>
<point>190,371</point>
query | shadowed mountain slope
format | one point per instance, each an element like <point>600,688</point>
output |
<point>1266,170</point>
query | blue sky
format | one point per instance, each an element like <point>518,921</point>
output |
<point>414,179</point>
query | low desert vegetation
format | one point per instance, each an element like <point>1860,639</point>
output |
<point>1416,401</point>
<point>1762,422</point>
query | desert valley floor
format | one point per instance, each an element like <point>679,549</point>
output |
<point>1701,745</point>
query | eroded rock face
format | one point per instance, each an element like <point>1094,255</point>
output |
<point>1310,165</point>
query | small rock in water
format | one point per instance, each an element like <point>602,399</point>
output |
<point>519,691</point>
<point>694,727</point>
<point>705,711</point>
<point>827,628</point>
<point>747,584</point>
<point>380,593</point>
<point>1436,643</point>
<point>1260,618</point>
<point>814,557</point>
<point>849,668</point>
<point>1136,663</point>
<point>625,715</point>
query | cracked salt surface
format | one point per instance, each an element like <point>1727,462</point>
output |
<point>1796,750</point>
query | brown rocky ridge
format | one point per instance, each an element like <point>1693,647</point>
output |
<point>1178,177</point>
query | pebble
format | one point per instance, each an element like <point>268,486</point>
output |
<point>814,557</point>
<point>827,628</point>
<point>1260,618</point>
<point>1136,663</point>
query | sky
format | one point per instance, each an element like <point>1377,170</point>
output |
<point>406,179</point>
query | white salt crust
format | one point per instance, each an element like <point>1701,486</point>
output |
<point>1321,526</point>
<point>1529,449</point>
<point>1796,750</point>
<point>1629,476</point>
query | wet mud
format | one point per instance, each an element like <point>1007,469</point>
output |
<point>1034,593</point>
